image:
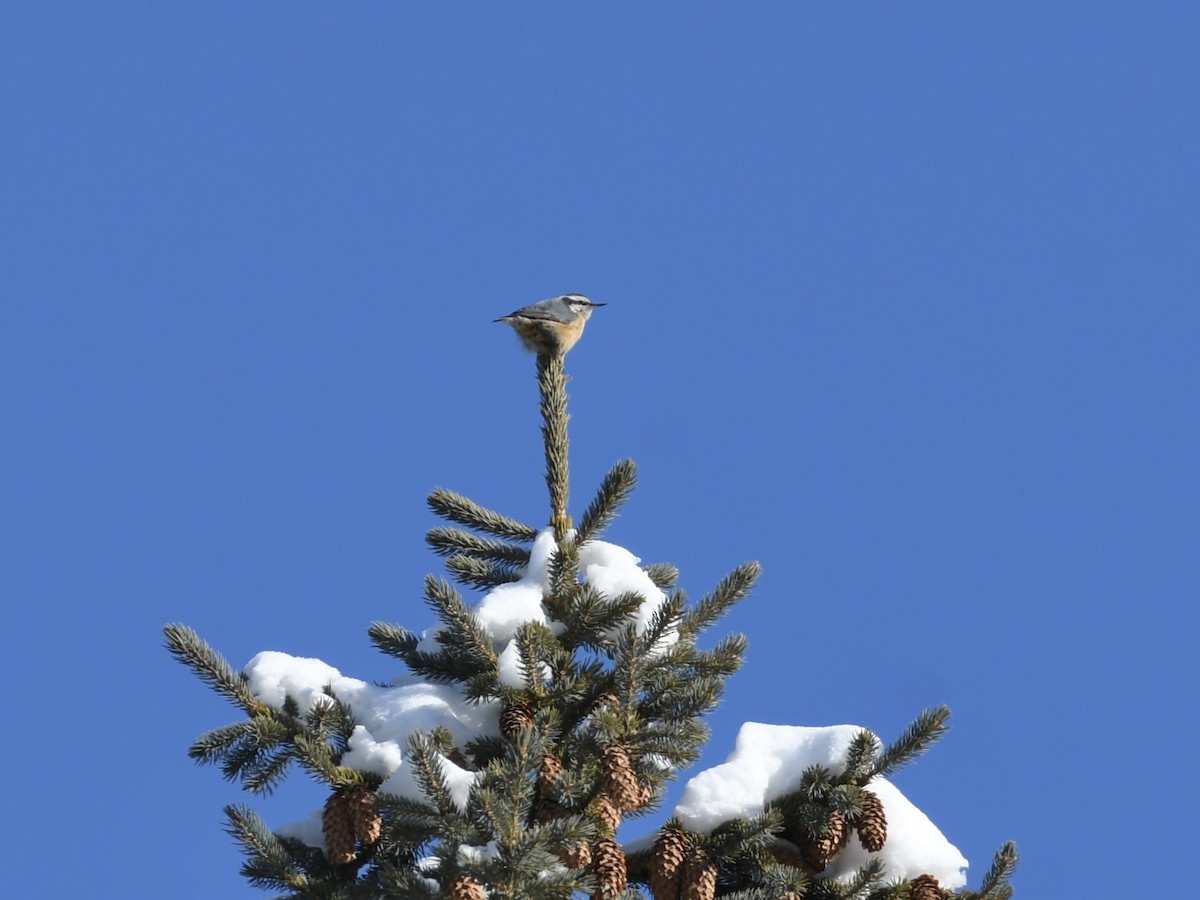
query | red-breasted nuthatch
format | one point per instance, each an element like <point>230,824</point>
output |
<point>551,327</point>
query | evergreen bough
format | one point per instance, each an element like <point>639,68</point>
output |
<point>614,713</point>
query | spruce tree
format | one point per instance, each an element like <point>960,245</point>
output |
<point>597,701</point>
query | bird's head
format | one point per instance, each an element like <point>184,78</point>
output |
<point>579,304</point>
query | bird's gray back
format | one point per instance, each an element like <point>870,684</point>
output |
<point>553,310</point>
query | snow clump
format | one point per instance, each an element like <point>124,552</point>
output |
<point>768,761</point>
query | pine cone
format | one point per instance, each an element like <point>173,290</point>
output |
<point>699,877</point>
<point>606,814</point>
<point>620,778</point>
<point>464,887</point>
<point>666,861</point>
<point>925,887</point>
<point>338,825</point>
<point>514,717</point>
<point>577,857</point>
<point>872,823</point>
<point>364,818</point>
<point>820,850</point>
<point>548,771</point>
<point>608,864</point>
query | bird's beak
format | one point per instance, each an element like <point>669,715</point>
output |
<point>598,304</point>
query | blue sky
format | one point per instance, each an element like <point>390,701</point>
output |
<point>902,302</point>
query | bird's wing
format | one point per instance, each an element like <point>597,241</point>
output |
<point>544,312</point>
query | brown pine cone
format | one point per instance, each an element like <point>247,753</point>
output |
<point>699,877</point>
<point>821,849</point>
<point>577,857</point>
<point>872,823</point>
<point>464,887</point>
<point>514,717</point>
<point>925,887</point>
<point>608,864</point>
<point>549,769</point>
<point>338,826</point>
<point>645,795</point>
<point>620,778</point>
<point>606,814</point>
<point>364,818</point>
<point>666,864</point>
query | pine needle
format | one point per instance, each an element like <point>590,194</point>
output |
<point>211,746</point>
<point>392,639</point>
<point>860,758</point>
<point>427,772</point>
<point>480,573</point>
<point>664,575</point>
<point>922,734</point>
<point>733,588</point>
<point>552,388</point>
<point>996,882</point>
<point>869,874</point>
<point>449,541</point>
<point>191,650</point>
<point>462,630</point>
<point>614,490</point>
<point>268,863</point>
<point>458,508</point>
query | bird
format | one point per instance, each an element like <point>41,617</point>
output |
<point>551,327</point>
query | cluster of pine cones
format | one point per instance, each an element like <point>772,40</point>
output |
<point>621,792</point>
<point>871,825</point>
<point>679,872</point>
<point>349,816</point>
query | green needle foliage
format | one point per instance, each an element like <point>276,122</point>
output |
<point>190,649</point>
<point>455,541</point>
<point>457,508</point>
<point>996,883</point>
<point>604,714</point>
<point>925,730</point>
<point>614,491</point>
